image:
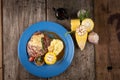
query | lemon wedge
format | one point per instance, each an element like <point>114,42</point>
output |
<point>74,24</point>
<point>56,46</point>
<point>88,23</point>
<point>50,58</point>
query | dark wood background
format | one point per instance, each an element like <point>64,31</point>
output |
<point>99,62</point>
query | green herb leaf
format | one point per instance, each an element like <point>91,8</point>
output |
<point>83,14</point>
<point>42,41</point>
<point>87,14</point>
<point>68,33</point>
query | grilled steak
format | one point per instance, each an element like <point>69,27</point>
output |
<point>38,44</point>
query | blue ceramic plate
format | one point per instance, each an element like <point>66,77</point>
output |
<point>46,71</point>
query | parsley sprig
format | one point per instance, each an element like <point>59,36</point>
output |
<point>82,14</point>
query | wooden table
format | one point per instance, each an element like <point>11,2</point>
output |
<point>100,62</point>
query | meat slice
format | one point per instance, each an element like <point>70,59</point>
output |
<point>38,44</point>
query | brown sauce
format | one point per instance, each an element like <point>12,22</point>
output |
<point>53,35</point>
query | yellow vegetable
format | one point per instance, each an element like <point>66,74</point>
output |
<point>50,58</point>
<point>74,24</point>
<point>82,30</point>
<point>88,23</point>
<point>56,46</point>
<point>81,36</point>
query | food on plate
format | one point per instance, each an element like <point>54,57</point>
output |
<point>81,36</point>
<point>31,59</point>
<point>88,23</point>
<point>39,60</point>
<point>37,45</point>
<point>42,43</point>
<point>50,58</point>
<point>93,37</point>
<point>74,24</point>
<point>56,46</point>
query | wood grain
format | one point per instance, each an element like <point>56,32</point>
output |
<point>107,17</point>
<point>1,74</point>
<point>82,67</point>
<point>17,16</point>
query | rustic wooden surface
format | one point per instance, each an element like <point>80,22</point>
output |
<point>1,42</point>
<point>107,24</point>
<point>82,67</point>
<point>17,15</point>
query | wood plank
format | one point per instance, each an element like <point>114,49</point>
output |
<point>17,16</point>
<point>114,24</point>
<point>107,17</point>
<point>82,67</point>
<point>116,74</point>
<point>1,75</point>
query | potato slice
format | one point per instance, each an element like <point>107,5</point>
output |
<point>88,23</point>
<point>56,46</point>
<point>74,24</point>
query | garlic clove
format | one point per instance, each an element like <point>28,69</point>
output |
<point>81,12</point>
<point>93,37</point>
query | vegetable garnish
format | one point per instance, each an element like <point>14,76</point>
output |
<point>81,36</point>
<point>50,58</point>
<point>31,59</point>
<point>82,14</point>
<point>74,24</point>
<point>88,23</point>
<point>69,32</point>
<point>42,41</point>
<point>39,60</point>
<point>82,30</point>
<point>81,40</point>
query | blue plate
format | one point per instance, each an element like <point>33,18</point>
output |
<point>46,71</point>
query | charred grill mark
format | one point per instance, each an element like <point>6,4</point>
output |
<point>31,51</point>
<point>36,50</point>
